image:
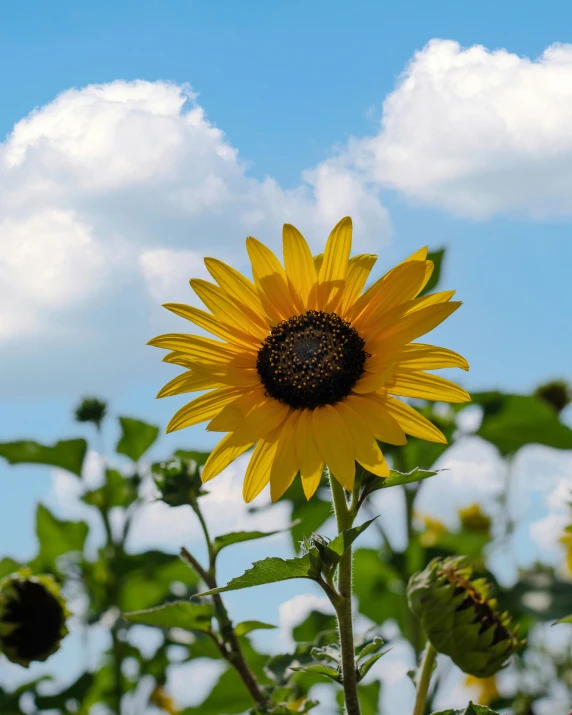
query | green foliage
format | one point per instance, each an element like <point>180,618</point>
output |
<point>241,629</point>
<point>437,257</point>
<point>271,570</point>
<point>56,537</point>
<point>237,537</point>
<point>118,490</point>
<point>471,709</point>
<point>67,454</point>
<point>136,437</point>
<point>512,421</point>
<point>91,409</point>
<point>177,614</point>
<point>228,696</point>
<point>368,697</point>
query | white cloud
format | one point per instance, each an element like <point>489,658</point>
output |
<point>158,525</point>
<point>109,196</point>
<point>477,132</point>
<point>296,610</point>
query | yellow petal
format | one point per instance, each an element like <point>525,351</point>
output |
<point>224,309</point>
<point>232,373</point>
<point>258,472</point>
<point>222,455</point>
<point>334,268</point>
<point>334,443</point>
<point>359,269</point>
<point>380,423</point>
<point>176,358</point>
<point>412,326</point>
<point>198,347</point>
<point>432,299</point>
<point>209,323</point>
<point>413,423</point>
<point>285,465</point>
<point>261,420</point>
<point>299,263</point>
<point>202,408</point>
<point>187,382</point>
<point>415,383</point>
<point>232,414</point>
<point>271,281</point>
<point>417,356</point>
<point>367,451</point>
<point>420,255</point>
<point>239,289</point>
<point>400,286</point>
<point>311,482</point>
<point>309,458</point>
<point>318,260</point>
<point>372,381</point>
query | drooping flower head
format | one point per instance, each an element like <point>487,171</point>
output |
<point>32,617</point>
<point>308,365</point>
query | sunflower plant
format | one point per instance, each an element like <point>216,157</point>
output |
<point>307,371</point>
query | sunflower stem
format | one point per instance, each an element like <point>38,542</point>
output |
<point>424,678</point>
<point>345,517</point>
<point>228,642</point>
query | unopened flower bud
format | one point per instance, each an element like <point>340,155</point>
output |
<point>460,619</point>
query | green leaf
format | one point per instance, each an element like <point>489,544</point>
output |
<point>437,258</point>
<point>8,566</point>
<point>270,570</point>
<point>177,614</point>
<point>228,696</point>
<point>346,538</point>
<point>236,537</point>
<point>241,629</point>
<point>66,454</point>
<point>471,709</point>
<point>147,579</point>
<point>117,491</point>
<point>566,619</point>
<point>56,537</point>
<point>511,421</point>
<point>366,666</point>
<point>319,669</point>
<point>379,589</point>
<point>136,437</point>
<point>398,478</point>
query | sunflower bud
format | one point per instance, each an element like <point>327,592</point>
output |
<point>91,409</point>
<point>557,394</point>
<point>460,619</point>
<point>32,617</point>
<point>178,481</point>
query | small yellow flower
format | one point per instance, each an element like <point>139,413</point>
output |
<point>485,687</point>
<point>434,529</point>
<point>473,518</point>
<point>308,364</point>
<point>566,541</point>
<point>164,702</point>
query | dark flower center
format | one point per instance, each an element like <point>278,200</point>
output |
<point>38,618</point>
<point>311,360</point>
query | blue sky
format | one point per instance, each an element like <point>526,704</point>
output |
<point>290,85</point>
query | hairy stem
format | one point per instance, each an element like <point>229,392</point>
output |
<point>229,644</point>
<point>343,605</point>
<point>424,678</point>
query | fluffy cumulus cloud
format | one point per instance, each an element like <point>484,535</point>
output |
<point>477,132</point>
<point>109,197</point>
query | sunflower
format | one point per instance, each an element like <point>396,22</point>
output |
<point>308,365</point>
